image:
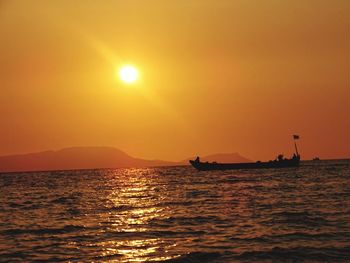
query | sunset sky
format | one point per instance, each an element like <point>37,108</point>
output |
<point>214,76</point>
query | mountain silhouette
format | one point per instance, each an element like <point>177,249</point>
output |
<point>91,158</point>
<point>75,158</point>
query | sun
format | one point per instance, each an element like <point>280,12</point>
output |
<point>128,74</point>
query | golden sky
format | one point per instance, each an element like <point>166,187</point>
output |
<point>215,76</point>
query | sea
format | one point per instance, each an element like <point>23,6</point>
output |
<point>177,214</point>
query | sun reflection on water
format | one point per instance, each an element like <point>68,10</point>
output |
<point>139,250</point>
<point>135,200</point>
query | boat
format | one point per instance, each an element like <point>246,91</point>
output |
<point>207,166</point>
<point>279,162</point>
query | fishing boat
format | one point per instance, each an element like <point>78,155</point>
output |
<point>279,162</point>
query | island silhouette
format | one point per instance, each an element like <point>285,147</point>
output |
<point>93,158</point>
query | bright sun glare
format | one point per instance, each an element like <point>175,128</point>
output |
<point>128,74</point>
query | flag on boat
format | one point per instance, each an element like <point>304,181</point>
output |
<point>296,137</point>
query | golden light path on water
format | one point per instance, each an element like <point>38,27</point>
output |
<point>135,193</point>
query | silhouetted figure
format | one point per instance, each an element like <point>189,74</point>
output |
<point>197,159</point>
<point>280,157</point>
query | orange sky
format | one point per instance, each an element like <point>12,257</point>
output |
<point>216,76</point>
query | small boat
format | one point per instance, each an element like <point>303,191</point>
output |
<point>316,159</point>
<point>285,163</point>
<point>280,162</point>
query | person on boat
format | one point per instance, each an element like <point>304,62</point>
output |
<point>197,159</point>
<point>280,158</point>
<point>295,157</point>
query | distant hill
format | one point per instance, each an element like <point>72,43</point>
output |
<point>75,158</point>
<point>92,158</point>
<point>222,158</point>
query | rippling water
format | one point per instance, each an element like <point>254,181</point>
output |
<point>177,215</point>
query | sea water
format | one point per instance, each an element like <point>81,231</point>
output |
<point>177,214</point>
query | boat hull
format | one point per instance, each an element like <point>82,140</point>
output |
<point>206,166</point>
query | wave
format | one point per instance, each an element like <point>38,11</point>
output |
<point>299,218</point>
<point>107,257</point>
<point>298,254</point>
<point>153,234</point>
<point>43,231</point>
<point>120,208</point>
<point>194,257</point>
<point>293,236</point>
<point>191,220</point>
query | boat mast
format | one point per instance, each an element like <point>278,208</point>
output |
<point>296,137</point>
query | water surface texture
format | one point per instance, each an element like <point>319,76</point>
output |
<point>177,214</point>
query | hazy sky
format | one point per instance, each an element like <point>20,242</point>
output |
<point>216,76</point>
